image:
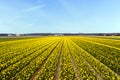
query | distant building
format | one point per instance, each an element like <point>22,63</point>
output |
<point>11,34</point>
<point>17,34</point>
<point>58,34</point>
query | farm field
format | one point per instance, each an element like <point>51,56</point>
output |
<point>3,39</point>
<point>60,58</point>
<point>108,37</point>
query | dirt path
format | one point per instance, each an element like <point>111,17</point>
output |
<point>74,65</point>
<point>30,61</point>
<point>58,65</point>
<point>43,63</point>
<point>97,75</point>
<point>99,60</point>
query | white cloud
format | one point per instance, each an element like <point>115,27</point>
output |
<point>35,8</point>
<point>70,7</point>
<point>27,10</point>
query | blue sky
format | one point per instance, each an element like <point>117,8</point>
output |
<point>31,16</point>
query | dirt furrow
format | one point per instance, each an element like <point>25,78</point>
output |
<point>43,63</point>
<point>74,65</point>
<point>97,75</point>
<point>98,60</point>
<point>58,65</point>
